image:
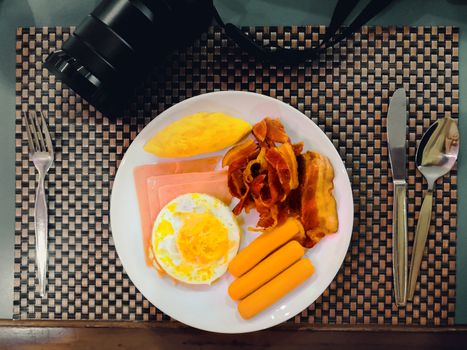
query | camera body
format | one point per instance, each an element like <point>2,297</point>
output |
<point>117,44</point>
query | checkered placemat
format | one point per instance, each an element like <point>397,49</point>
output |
<point>346,93</point>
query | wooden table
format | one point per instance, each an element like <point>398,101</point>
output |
<point>144,335</point>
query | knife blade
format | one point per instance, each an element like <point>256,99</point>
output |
<point>397,134</point>
<point>397,144</point>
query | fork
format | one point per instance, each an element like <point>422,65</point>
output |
<point>41,154</point>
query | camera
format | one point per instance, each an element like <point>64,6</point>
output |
<point>117,44</point>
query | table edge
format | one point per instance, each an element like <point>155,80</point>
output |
<point>178,326</point>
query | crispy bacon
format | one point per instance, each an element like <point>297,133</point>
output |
<point>277,161</point>
<point>262,174</point>
<point>257,184</point>
<point>283,214</point>
<point>272,175</point>
<point>275,131</point>
<point>243,152</point>
<point>293,202</point>
<point>237,186</point>
<point>297,148</point>
<point>255,167</point>
<point>288,154</point>
<point>268,217</point>
<point>275,191</point>
<point>318,212</point>
<point>269,131</point>
<point>260,130</point>
<point>243,203</point>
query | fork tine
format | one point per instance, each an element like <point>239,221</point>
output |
<point>32,128</point>
<point>45,130</point>
<point>39,135</point>
<point>32,148</point>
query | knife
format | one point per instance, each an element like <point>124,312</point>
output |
<point>397,133</point>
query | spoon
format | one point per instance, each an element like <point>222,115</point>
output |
<point>436,155</point>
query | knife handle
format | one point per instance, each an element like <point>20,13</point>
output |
<point>399,242</point>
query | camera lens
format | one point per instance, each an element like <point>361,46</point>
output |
<point>117,44</point>
<point>121,19</point>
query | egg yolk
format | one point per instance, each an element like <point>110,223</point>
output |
<point>165,228</point>
<point>202,239</point>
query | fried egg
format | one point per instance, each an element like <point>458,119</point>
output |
<point>195,236</point>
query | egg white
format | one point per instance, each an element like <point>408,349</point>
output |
<point>164,246</point>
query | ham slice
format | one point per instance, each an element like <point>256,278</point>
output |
<point>162,189</point>
<point>143,172</point>
<point>217,188</point>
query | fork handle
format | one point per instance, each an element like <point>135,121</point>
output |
<point>40,228</point>
<point>399,243</point>
<point>421,233</point>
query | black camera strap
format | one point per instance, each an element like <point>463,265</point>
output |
<point>332,36</point>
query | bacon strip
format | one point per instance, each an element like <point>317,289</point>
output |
<point>270,131</point>
<point>318,211</point>
<point>277,161</point>
<point>288,154</point>
<point>242,152</point>
<point>276,131</point>
<point>260,130</point>
<point>297,148</point>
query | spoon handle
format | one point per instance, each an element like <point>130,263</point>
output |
<point>399,239</point>
<point>421,233</point>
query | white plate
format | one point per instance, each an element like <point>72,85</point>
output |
<point>210,308</point>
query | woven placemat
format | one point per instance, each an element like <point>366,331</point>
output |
<point>346,93</point>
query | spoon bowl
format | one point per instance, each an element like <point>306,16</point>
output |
<point>436,155</point>
<point>438,149</point>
